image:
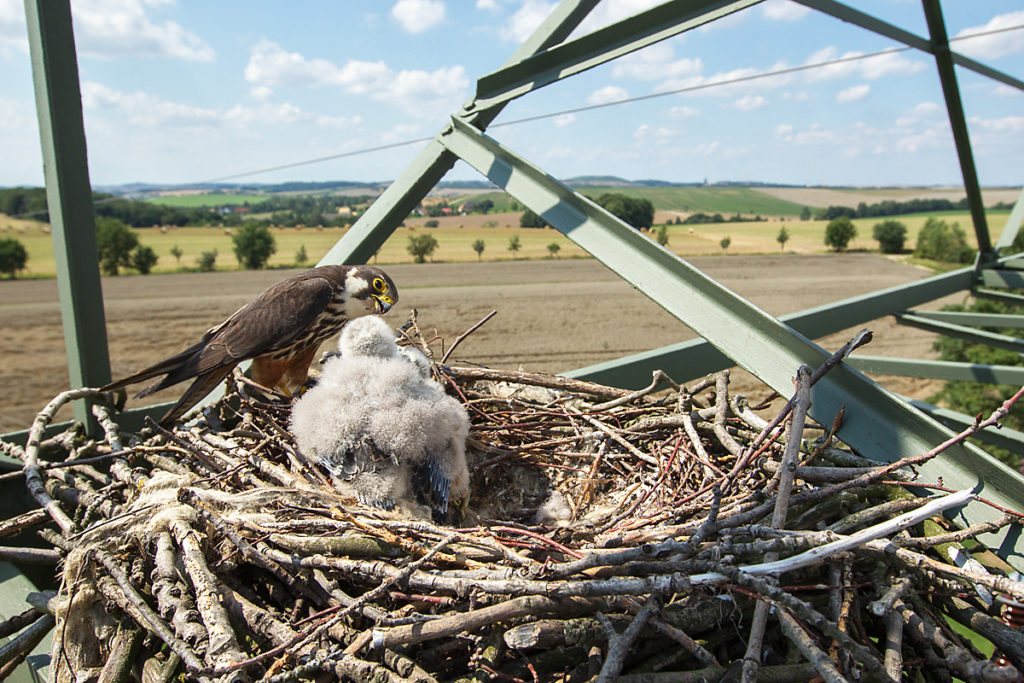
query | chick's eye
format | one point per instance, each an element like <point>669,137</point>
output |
<point>378,284</point>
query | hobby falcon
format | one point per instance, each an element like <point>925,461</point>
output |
<point>279,330</point>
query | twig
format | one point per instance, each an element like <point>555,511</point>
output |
<point>224,647</point>
<point>791,627</point>
<point>658,377</point>
<point>143,613</point>
<point>22,644</point>
<point>461,337</point>
<point>619,645</point>
<point>33,472</point>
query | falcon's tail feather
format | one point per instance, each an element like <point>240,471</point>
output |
<point>202,385</point>
<point>164,367</point>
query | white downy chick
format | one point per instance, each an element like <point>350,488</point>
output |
<point>377,421</point>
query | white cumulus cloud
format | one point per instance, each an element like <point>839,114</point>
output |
<point>416,91</point>
<point>112,28</point>
<point>527,18</point>
<point>563,120</point>
<point>878,66</point>
<point>995,45</point>
<point>783,10</point>
<point>609,93</point>
<point>416,16</point>
<point>655,63</point>
<point>854,93</point>
<point>751,102</point>
<point>682,112</point>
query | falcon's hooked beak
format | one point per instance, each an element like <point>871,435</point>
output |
<point>382,303</point>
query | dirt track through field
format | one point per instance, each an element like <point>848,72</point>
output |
<point>552,315</point>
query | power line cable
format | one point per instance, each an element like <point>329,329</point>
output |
<point>575,110</point>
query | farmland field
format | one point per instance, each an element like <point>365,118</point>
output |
<point>189,201</point>
<point>552,315</point>
<point>456,234</point>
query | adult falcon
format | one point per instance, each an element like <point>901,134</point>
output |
<point>279,330</point>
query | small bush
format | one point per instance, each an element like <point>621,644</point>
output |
<point>940,241</point>
<point>839,232</point>
<point>143,259</point>
<point>421,246</point>
<point>13,256</point>
<point>890,235</point>
<point>254,245</point>
<point>725,242</point>
<point>432,223</point>
<point>115,243</point>
<point>207,261</point>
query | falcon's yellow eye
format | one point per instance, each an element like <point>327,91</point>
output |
<point>378,284</point>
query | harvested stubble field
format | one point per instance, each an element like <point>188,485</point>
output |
<point>552,315</point>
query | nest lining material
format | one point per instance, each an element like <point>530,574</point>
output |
<point>652,536</point>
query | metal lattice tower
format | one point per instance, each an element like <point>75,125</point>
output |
<point>732,331</point>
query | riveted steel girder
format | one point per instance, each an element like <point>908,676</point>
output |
<point>1013,224</point>
<point>373,228</point>
<point>696,358</point>
<point>600,46</point>
<point>876,25</point>
<point>973,319</point>
<point>997,277</point>
<point>878,424</point>
<point>970,334</point>
<point>68,194</point>
<point>939,369</point>
<point>958,124</point>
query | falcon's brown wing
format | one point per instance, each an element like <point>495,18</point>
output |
<point>271,321</point>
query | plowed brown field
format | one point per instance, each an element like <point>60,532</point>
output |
<point>552,315</point>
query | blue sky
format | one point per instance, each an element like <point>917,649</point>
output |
<point>183,92</point>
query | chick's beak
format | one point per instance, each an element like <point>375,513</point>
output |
<point>382,303</point>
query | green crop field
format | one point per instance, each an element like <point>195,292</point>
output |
<point>189,201</point>
<point>710,200</point>
<point>456,235</point>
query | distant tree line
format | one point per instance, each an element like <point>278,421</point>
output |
<point>701,218</point>
<point>284,210</point>
<point>891,207</point>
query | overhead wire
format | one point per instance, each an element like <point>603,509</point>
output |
<point>575,110</point>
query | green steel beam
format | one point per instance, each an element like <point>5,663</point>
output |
<point>973,319</point>
<point>1013,223</point>
<point>958,123</point>
<point>373,228</point>
<point>696,358</point>
<point>970,334</point>
<point>1004,437</point>
<point>1006,279</point>
<point>601,46</point>
<point>997,295</point>
<point>68,194</point>
<point>939,369</point>
<point>878,424</point>
<point>1013,264</point>
<point>876,25</point>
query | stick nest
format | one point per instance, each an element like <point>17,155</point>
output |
<point>665,534</point>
